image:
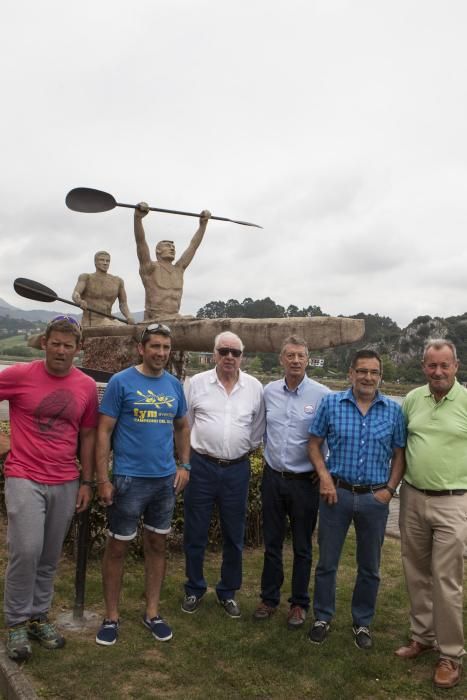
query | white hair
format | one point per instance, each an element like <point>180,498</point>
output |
<point>228,335</point>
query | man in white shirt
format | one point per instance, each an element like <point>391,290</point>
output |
<point>226,413</point>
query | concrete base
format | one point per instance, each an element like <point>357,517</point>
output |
<point>67,623</point>
<point>13,683</point>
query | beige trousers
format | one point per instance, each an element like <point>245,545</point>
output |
<point>433,535</point>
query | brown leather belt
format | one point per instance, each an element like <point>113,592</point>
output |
<point>430,492</point>
<point>222,462</point>
<point>357,488</point>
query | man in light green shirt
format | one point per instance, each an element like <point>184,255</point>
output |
<point>433,512</point>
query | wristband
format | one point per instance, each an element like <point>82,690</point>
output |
<point>85,482</point>
<point>105,481</point>
<point>390,489</point>
<point>186,466</point>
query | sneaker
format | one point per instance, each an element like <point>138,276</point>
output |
<point>191,603</point>
<point>108,633</point>
<point>296,617</point>
<point>318,631</point>
<point>18,646</point>
<point>362,637</point>
<point>159,628</point>
<point>45,633</point>
<point>264,611</point>
<point>231,607</point>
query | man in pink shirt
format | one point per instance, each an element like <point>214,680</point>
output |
<point>52,404</point>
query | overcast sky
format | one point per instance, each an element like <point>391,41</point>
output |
<point>338,125</point>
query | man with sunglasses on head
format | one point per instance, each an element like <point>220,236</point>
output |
<point>226,414</point>
<point>365,433</point>
<point>289,488</point>
<point>142,412</point>
<point>52,404</point>
<point>433,510</point>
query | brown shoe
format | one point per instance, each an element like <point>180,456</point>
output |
<point>296,617</point>
<point>447,673</point>
<point>413,650</point>
<point>264,611</point>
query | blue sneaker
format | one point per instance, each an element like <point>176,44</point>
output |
<point>108,633</point>
<point>159,628</point>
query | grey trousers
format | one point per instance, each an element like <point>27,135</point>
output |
<point>39,516</point>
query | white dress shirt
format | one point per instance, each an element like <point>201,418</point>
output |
<point>225,425</point>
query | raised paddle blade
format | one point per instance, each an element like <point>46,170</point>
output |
<point>33,290</point>
<point>88,200</point>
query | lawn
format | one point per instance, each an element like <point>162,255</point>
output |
<point>213,656</point>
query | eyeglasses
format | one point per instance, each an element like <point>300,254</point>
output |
<point>154,328</point>
<point>62,317</point>
<point>360,372</point>
<point>223,352</point>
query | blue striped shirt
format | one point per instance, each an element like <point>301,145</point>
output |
<point>360,446</point>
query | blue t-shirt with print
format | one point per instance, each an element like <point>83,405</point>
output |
<point>145,408</point>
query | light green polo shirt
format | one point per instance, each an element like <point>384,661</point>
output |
<point>436,452</point>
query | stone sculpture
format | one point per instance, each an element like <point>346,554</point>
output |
<point>162,278</point>
<point>99,290</point>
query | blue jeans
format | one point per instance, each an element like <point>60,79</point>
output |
<point>134,496</point>
<point>228,488</point>
<point>297,500</point>
<point>369,517</point>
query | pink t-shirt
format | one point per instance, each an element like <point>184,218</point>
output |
<point>46,414</point>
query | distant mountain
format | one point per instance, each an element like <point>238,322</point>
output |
<point>45,315</point>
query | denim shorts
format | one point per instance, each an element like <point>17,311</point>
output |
<point>154,499</point>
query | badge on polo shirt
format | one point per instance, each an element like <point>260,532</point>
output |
<point>309,408</point>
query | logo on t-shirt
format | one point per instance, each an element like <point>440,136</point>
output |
<point>54,411</point>
<point>155,405</point>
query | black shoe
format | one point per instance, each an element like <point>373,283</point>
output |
<point>231,607</point>
<point>318,631</point>
<point>191,603</point>
<point>362,637</point>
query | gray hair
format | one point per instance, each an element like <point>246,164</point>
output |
<point>228,335</point>
<point>294,340</point>
<point>438,344</point>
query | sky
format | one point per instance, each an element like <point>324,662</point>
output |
<point>338,125</point>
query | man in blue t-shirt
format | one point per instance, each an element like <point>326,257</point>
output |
<point>142,412</point>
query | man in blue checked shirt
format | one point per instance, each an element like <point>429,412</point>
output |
<point>366,435</point>
<point>289,487</point>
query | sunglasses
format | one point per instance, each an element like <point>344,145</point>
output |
<point>63,317</point>
<point>154,328</point>
<point>223,352</point>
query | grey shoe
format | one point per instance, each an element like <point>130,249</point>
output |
<point>318,631</point>
<point>191,603</point>
<point>18,646</point>
<point>231,607</point>
<point>45,632</point>
<point>362,637</point>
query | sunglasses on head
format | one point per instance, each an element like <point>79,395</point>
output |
<point>233,351</point>
<point>64,317</point>
<point>154,328</point>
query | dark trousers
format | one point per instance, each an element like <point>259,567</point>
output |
<point>228,487</point>
<point>297,500</point>
<point>369,517</point>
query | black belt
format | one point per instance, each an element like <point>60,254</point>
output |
<point>357,488</point>
<point>430,492</point>
<point>309,476</point>
<point>222,462</point>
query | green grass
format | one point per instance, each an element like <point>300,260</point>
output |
<point>213,656</point>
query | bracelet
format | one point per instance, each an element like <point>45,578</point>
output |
<point>186,466</point>
<point>105,481</point>
<point>390,489</point>
<point>85,482</point>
